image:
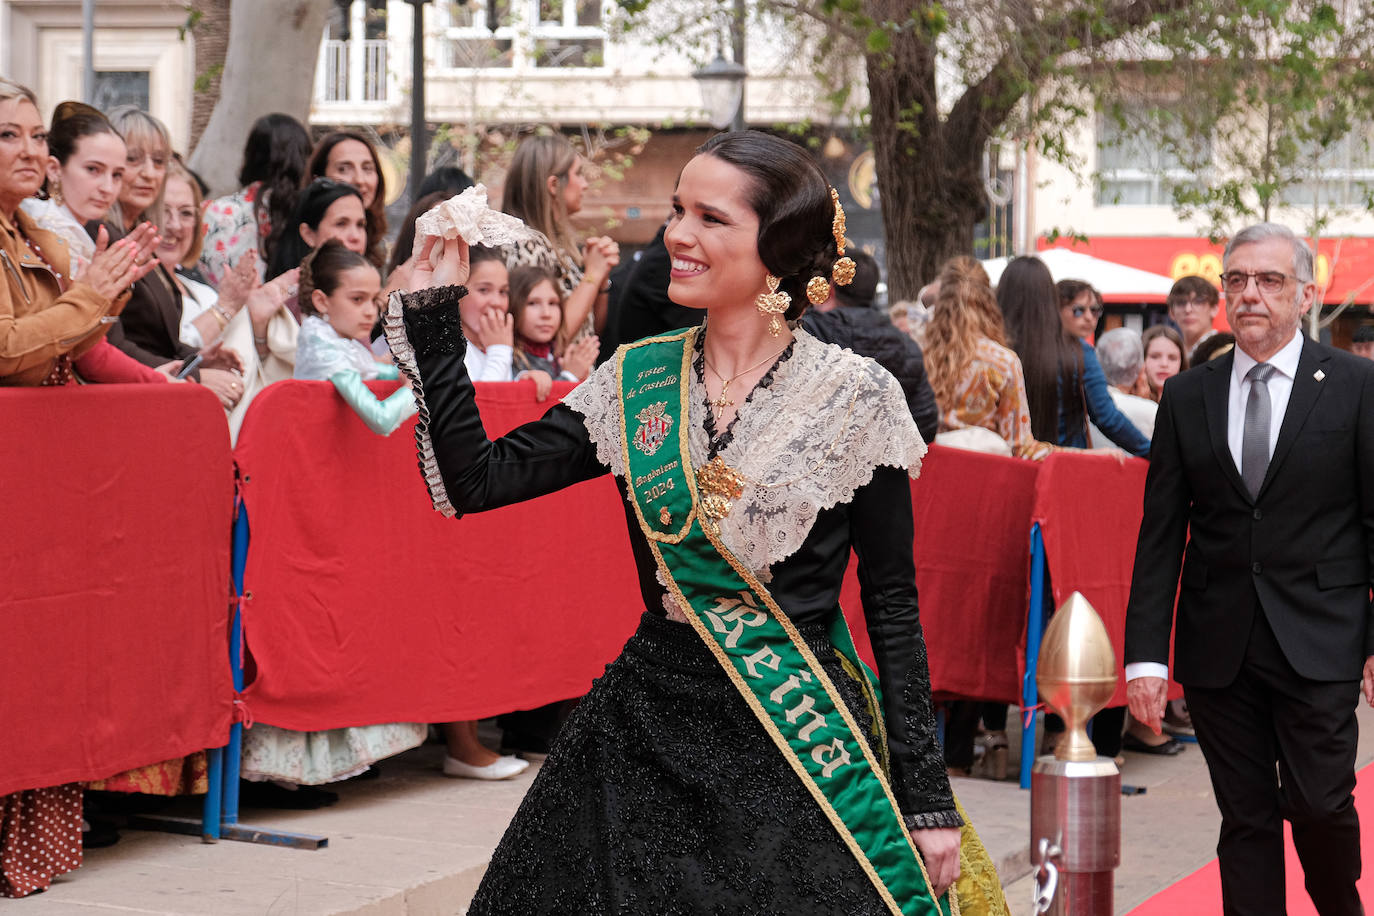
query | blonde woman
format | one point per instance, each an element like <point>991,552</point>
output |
<point>544,188</point>
<point>977,379</point>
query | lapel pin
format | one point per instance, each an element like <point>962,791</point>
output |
<point>1319,375</point>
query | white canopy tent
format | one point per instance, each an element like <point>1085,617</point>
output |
<point>1116,282</point>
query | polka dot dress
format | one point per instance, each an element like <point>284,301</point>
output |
<point>40,838</point>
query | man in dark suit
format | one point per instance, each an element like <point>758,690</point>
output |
<point>1261,488</point>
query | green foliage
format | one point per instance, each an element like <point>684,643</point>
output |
<point>1282,90</point>
<point>193,18</point>
<point>1247,107</point>
<point>207,79</point>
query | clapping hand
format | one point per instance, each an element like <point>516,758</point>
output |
<point>239,282</point>
<point>580,355</point>
<point>600,255</point>
<point>117,267</point>
<point>267,299</point>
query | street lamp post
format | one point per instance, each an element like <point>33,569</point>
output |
<point>419,141</point>
<point>722,92</point>
<point>88,51</point>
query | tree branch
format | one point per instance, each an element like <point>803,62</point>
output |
<point>810,11</point>
<point>986,104</point>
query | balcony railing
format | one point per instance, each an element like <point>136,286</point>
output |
<point>353,71</point>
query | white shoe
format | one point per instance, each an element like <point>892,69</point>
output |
<point>501,768</point>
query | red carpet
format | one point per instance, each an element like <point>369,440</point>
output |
<point>1199,894</point>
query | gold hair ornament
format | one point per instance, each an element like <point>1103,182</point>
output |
<point>817,290</point>
<point>773,304</point>
<point>843,272</point>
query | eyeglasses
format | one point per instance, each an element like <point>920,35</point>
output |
<point>1188,305</point>
<point>1266,281</point>
<point>1080,310</point>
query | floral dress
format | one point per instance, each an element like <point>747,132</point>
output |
<point>232,229</point>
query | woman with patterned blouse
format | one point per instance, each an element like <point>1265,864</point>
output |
<point>254,217</point>
<point>543,189</point>
<point>977,378</point>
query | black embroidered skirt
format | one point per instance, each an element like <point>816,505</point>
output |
<point>664,795</point>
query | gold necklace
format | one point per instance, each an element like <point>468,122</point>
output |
<point>719,404</point>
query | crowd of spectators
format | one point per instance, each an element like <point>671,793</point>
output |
<point>118,270</point>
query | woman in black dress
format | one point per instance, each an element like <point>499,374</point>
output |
<point>673,788</point>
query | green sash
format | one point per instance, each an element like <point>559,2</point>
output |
<point>759,648</point>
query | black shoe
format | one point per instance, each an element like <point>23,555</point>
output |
<point>1169,748</point>
<point>99,833</point>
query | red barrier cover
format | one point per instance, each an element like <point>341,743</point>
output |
<point>1089,509</point>
<point>114,580</point>
<point>368,606</point>
<point>972,551</point>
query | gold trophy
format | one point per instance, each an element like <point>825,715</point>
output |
<point>1075,794</point>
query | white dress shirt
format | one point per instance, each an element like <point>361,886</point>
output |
<point>1280,389</point>
<point>490,365</point>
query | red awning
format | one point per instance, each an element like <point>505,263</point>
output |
<point>1344,265</point>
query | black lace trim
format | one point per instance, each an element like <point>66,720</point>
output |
<point>932,819</point>
<point>433,323</point>
<point>719,442</point>
<point>434,297</point>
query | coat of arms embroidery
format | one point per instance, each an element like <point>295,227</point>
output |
<point>654,424</point>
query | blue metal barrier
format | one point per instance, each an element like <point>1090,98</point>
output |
<point>221,814</point>
<point>1035,629</point>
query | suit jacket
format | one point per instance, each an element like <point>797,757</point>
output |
<point>1301,553</point>
<point>149,328</point>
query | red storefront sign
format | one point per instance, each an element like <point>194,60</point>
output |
<point>1344,265</point>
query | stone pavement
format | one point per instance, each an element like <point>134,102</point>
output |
<point>413,842</point>
<point>1171,831</point>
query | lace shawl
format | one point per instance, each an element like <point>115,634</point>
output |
<point>804,444</point>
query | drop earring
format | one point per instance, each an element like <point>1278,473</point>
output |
<point>773,304</point>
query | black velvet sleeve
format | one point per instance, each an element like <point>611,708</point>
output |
<point>537,458</point>
<point>882,530</point>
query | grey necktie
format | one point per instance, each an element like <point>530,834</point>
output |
<point>1254,444</point>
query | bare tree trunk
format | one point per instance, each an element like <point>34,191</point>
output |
<point>211,33</point>
<point>269,66</point>
<point>929,176</point>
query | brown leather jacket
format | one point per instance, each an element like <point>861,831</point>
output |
<point>39,323</point>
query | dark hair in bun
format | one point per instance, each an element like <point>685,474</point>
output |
<point>71,122</point>
<point>791,197</point>
<point>314,201</point>
<point>322,269</point>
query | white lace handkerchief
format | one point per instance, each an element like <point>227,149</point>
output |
<point>467,216</point>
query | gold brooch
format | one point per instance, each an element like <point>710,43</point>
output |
<point>665,516</point>
<point>718,485</point>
